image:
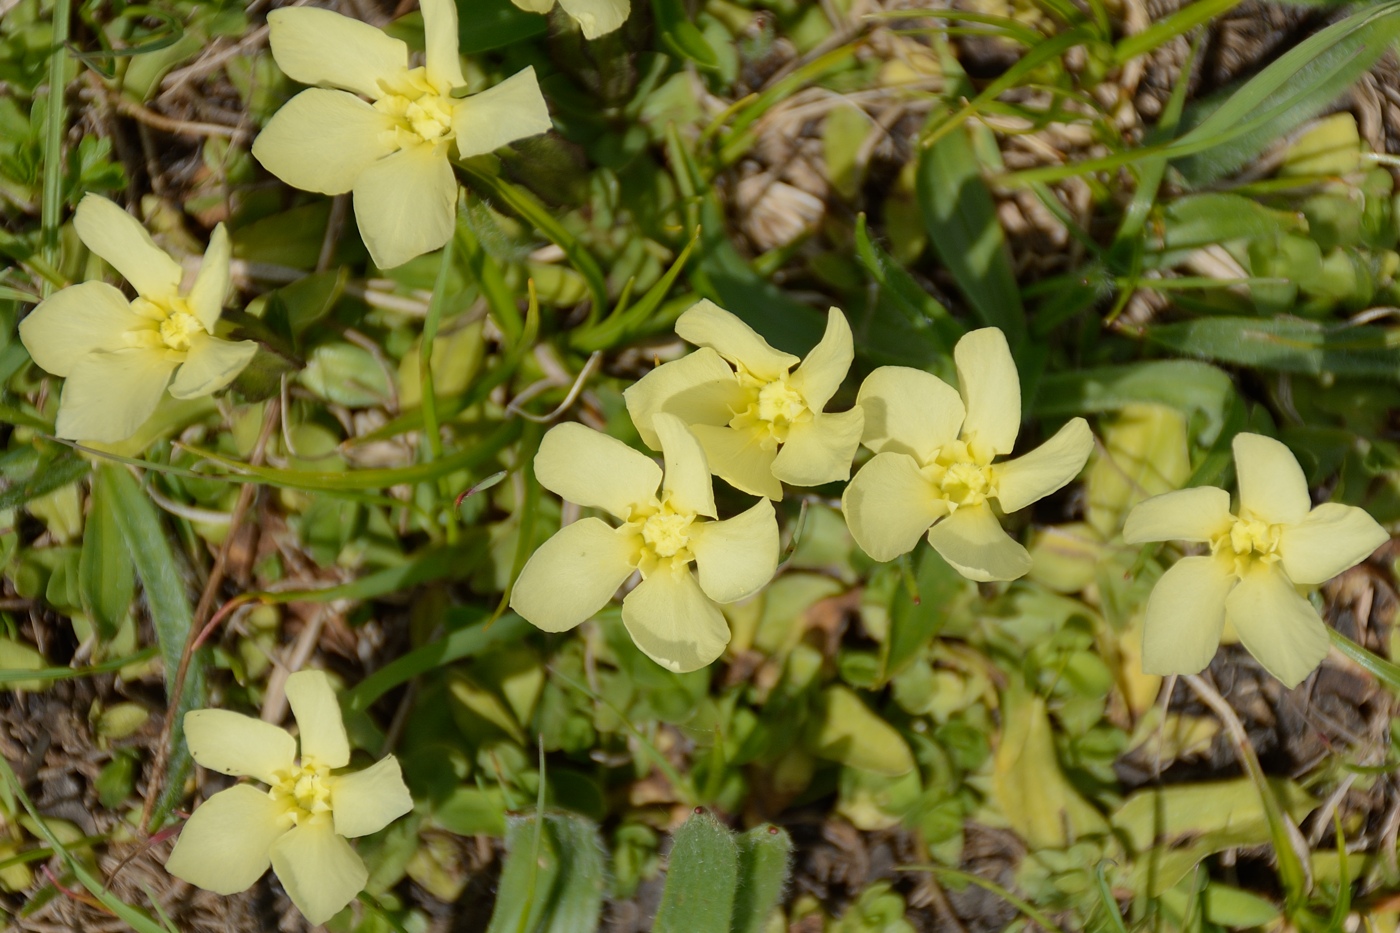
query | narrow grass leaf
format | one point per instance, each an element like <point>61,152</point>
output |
<point>528,878</point>
<point>1286,344</point>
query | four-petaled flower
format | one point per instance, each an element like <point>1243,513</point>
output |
<point>392,153</point>
<point>117,356</point>
<point>760,422</point>
<point>1259,557</point>
<point>299,827</point>
<point>670,615</point>
<point>595,17</point>
<point>933,461</point>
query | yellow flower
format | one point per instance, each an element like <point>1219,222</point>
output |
<point>1259,558</point>
<point>933,466</point>
<point>595,17</point>
<point>761,424</point>
<point>117,356</point>
<point>392,153</point>
<point>299,827</point>
<point>672,618</point>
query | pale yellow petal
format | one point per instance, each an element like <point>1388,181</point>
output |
<point>820,451</point>
<point>1185,614</point>
<point>574,574</point>
<point>500,115</point>
<point>119,238</point>
<point>740,459</point>
<point>535,6</point>
<point>686,482</point>
<point>591,469</point>
<point>889,504</point>
<point>206,298</point>
<point>991,390</point>
<point>406,204</point>
<point>108,396</point>
<point>318,869</point>
<point>736,558</point>
<point>319,720</point>
<point>1279,627</point>
<point>443,60</point>
<point>231,743</point>
<point>324,140</point>
<point>1046,469</point>
<point>364,802</point>
<point>224,846</point>
<point>698,388</point>
<point>1200,514</point>
<point>211,365</point>
<point>316,46</point>
<point>1272,485</point>
<point>821,373</point>
<point>597,17</point>
<point>908,411</point>
<point>706,324</point>
<point>974,543</point>
<point>75,321</point>
<point>673,622</point>
<point>1332,538</point>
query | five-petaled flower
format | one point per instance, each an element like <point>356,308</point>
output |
<point>1259,557</point>
<point>595,17</point>
<point>760,422</point>
<point>392,153</point>
<point>118,356</point>
<point>933,462</point>
<point>666,525</point>
<point>299,827</point>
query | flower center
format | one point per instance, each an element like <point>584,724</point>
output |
<point>1247,541</point>
<point>666,533</point>
<point>960,477</point>
<point>774,407</point>
<point>172,324</point>
<point>421,112</point>
<point>303,791</point>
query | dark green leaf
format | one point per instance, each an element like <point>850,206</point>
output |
<point>105,577</point>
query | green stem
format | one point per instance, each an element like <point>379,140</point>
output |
<point>432,429</point>
<point>55,117</point>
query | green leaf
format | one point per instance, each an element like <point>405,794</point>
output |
<point>553,879</point>
<point>105,577</point>
<point>702,879</point>
<point>158,567</point>
<point>1285,344</point>
<point>59,472</point>
<point>923,310</point>
<point>913,625</point>
<point>680,35</point>
<point>483,25</point>
<point>1188,386</point>
<point>765,853</point>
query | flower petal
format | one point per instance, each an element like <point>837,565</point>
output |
<point>316,46</point>
<point>1332,538</point>
<point>212,363</point>
<point>75,321</point>
<point>706,324</point>
<point>740,459</point>
<point>323,140</point>
<point>319,720</point>
<point>974,543</point>
<point>443,59</point>
<point>908,411</point>
<point>597,17</point>
<point>736,558</point>
<point>596,471</point>
<point>673,622</point>
<point>698,388</point>
<point>108,396</point>
<point>406,204</point>
<point>535,6</point>
<point>206,298</point>
<point>319,870</point>
<point>820,451</point>
<point>223,846</point>
<point>687,475</point>
<point>574,574</point>
<point>499,115</point>
<point>1272,485</point>
<point>889,504</point>
<point>1034,476</point>
<point>821,373</point>
<point>1200,513</point>
<point>119,238</point>
<point>364,802</point>
<point>1280,628</point>
<point>1185,614</point>
<point>991,390</point>
<point>231,743</point>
